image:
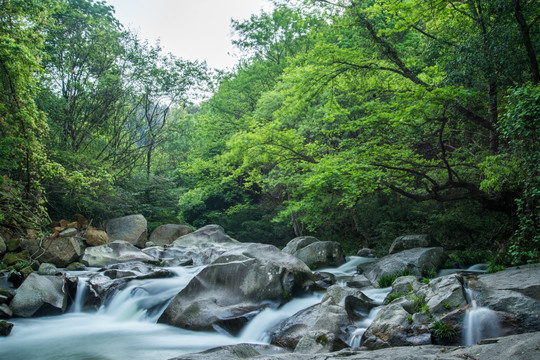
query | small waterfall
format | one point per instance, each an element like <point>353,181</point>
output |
<point>479,322</point>
<point>258,329</point>
<point>377,295</point>
<point>355,339</point>
<point>80,295</point>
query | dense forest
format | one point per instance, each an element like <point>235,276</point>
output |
<point>350,120</point>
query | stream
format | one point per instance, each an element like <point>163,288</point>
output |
<point>126,327</point>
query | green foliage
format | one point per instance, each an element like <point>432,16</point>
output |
<point>387,280</point>
<point>466,258</point>
<point>442,330</point>
<point>393,296</point>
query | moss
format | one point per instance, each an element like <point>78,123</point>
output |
<point>322,339</point>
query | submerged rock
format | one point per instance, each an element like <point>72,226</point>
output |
<point>5,328</point>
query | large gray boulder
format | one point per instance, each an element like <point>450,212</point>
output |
<point>166,234</point>
<point>321,327</point>
<point>115,252</point>
<point>418,261</point>
<point>59,251</point>
<point>209,234</point>
<point>314,253</point>
<point>242,280</point>
<point>395,325</point>
<point>410,242</point>
<point>131,228</point>
<point>513,291</point>
<point>443,294</point>
<point>40,295</point>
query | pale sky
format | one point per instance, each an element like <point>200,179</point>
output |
<point>190,29</point>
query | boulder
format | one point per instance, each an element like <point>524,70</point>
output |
<point>115,252</point>
<point>209,234</point>
<point>131,228</point>
<point>514,291</point>
<point>417,260</point>
<point>40,295</point>
<point>365,252</point>
<point>47,269</point>
<point>443,294</point>
<point>392,326</point>
<point>314,253</point>
<point>5,328</point>
<point>341,307</point>
<point>410,242</point>
<point>166,234</point>
<point>58,251</point>
<point>240,281</point>
<point>95,237</point>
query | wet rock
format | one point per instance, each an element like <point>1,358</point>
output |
<point>393,327</point>
<point>5,328</point>
<point>410,242</point>
<point>314,253</point>
<point>240,281</point>
<point>365,252</point>
<point>131,228</point>
<point>339,308</point>
<point>213,234</point>
<point>443,294</point>
<point>417,260</point>
<point>40,295</point>
<point>513,291</point>
<point>117,251</point>
<point>168,233</point>
<point>47,269</point>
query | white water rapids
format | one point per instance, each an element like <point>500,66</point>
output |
<point>126,326</point>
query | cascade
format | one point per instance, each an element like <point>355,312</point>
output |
<point>479,322</point>
<point>80,295</point>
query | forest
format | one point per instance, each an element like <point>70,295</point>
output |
<point>354,121</point>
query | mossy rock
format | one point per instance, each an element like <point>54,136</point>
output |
<point>13,244</point>
<point>12,258</point>
<point>5,328</point>
<point>26,271</point>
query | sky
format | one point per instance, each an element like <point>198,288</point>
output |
<point>190,29</point>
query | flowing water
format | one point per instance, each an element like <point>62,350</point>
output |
<point>126,327</point>
<point>479,322</point>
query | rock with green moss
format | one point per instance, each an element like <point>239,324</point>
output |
<point>5,328</point>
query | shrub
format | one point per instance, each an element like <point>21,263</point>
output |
<point>442,330</point>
